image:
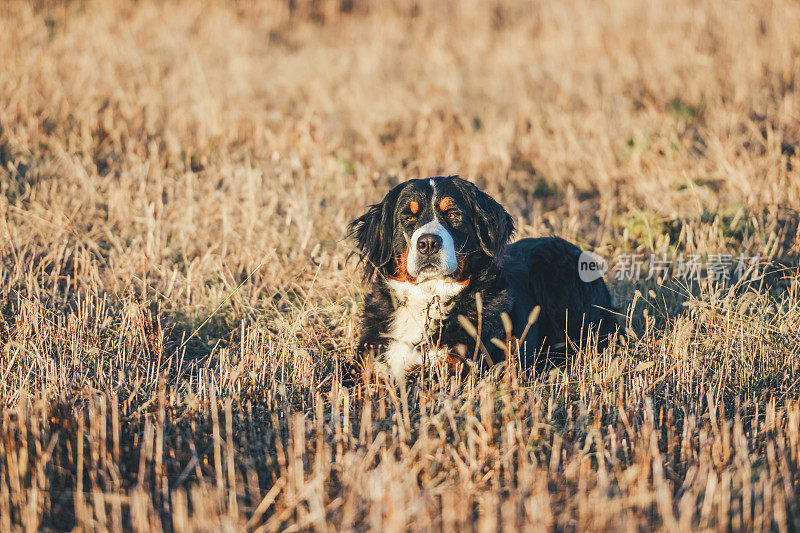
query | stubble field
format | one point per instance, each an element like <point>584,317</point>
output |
<point>176,289</point>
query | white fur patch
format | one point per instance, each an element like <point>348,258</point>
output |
<point>446,256</point>
<point>414,321</point>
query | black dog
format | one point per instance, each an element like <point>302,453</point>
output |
<point>431,245</point>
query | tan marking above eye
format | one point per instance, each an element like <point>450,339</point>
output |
<point>445,203</point>
<point>414,206</point>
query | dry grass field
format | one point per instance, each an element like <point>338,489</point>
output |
<point>177,292</point>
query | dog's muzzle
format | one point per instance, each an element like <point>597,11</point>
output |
<point>432,251</point>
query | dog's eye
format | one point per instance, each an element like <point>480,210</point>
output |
<point>410,218</point>
<point>452,215</point>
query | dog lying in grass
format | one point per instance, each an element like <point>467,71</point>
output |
<point>447,286</point>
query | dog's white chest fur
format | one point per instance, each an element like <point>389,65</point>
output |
<point>420,307</point>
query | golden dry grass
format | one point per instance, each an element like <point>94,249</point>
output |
<point>175,184</point>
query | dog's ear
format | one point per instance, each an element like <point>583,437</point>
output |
<point>374,233</point>
<point>493,225</point>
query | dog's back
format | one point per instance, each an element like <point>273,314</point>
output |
<point>545,272</point>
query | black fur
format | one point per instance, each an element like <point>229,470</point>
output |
<point>493,225</point>
<point>544,272</point>
<point>512,279</point>
<point>373,232</point>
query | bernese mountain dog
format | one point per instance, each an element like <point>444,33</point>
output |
<point>445,282</point>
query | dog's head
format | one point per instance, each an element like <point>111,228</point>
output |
<point>432,228</point>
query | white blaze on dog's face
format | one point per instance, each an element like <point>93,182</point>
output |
<point>431,248</point>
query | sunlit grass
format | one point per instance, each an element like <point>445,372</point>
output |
<point>177,297</point>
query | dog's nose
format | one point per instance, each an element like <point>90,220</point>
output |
<point>429,243</point>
